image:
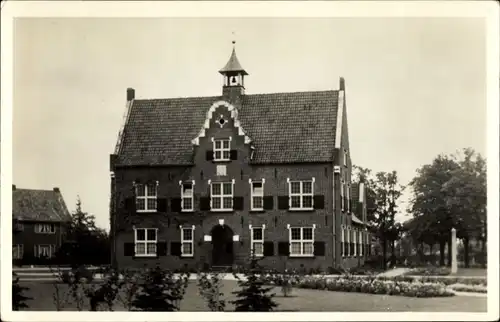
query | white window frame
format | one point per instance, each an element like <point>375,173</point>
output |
<point>348,208</point>
<point>300,194</point>
<point>254,241</point>
<point>361,243</point>
<point>187,241</point>
<point>40,230</point>
<point>222,149</point>
<point>342,191</point>
<point>222,195</point>
<point>355,242</point>
<point>186,197</point>
<point>342,244</point>
<point>146,197</point>
<point>51,247</point>
<point>18,251</point>
<point>348,242</point>
<point>256,195</point>
<point>146,242</point>
<point>345,157</point>
<point>302,241</point>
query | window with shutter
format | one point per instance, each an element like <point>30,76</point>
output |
<point>301,194</point>
<point>187,196</point>
<point>301,241</point>
<point>145,241</point>
<point>256,195</point>
<point>268,203</point>
<point>187,240</point>
<point>222,148</point>
<point>257,241</point>
<point>145,196</point>
<point>222,196</point>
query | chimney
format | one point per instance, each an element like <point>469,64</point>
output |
<point>130,94</point>
<point>56,189</point>
<point>13,187</point>
<point>341,84</point>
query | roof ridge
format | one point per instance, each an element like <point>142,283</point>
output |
<point>31,189</point>
<point>219,96</point>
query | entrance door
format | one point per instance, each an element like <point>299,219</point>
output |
<point>222,242</point>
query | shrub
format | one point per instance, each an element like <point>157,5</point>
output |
<point>106,293</point>
<point>18,297</point>
<point>210,289</point>
<point>253,296</point>
<point>158,290</point>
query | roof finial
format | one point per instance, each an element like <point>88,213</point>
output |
<point>234,39</point>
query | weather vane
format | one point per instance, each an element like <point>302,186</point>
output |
<point>234,39</point>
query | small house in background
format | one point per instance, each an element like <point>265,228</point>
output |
<point>204,182</point>
<point>40,218</point>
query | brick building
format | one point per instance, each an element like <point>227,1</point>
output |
<point>204,181</point>
<point>39,223</point>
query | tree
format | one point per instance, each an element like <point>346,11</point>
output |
<point>450,193</point>
<point>387,192</point>
<point>253,296</point>
<point>86,243</point>
<point>465,195</point>
<point>18,297</point>
<point>428,201</point>
<point>159,291</point>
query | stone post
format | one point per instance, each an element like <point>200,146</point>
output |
<point>453,250</point>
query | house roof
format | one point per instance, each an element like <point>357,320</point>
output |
<point>39,205</point>
<point>284,127</point>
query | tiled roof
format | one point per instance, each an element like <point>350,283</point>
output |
<point>284,128</point>
<point>39,205</point>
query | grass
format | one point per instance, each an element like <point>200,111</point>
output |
<point>301,300</point>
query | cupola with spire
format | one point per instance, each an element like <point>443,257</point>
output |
<point>234,76</point>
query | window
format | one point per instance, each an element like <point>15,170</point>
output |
<point>145,241</point>
<point>301,195</point>
<point>348,208</point>
<point>342,187</point>
<point>45,228</point>
<point>45,250</point>
<point>146,195</point>
<point>187,194</point>
<point>345,158</point>
<point>257,191</point>
<point>17,251</point>
<point>355,241</point>
<point>18,226</point>
<point>257,241</point>
<point>361,243</point>
<point>302,241</point>
<point>222,150</point>
<point>348,248</point>
<point>342,241</point>
<point>222,196</point>
<point>187,240</point>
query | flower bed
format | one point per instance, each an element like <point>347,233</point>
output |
<point>430,271</point>
<point>469,288</point>
<point>374,285</point>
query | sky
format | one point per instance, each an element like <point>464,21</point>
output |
<point>415,87</point>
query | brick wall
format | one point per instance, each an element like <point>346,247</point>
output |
<point>28,238</point>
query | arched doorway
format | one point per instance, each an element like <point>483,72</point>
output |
<point>222,243</point>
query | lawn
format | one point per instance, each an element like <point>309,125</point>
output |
<point>301,300</point>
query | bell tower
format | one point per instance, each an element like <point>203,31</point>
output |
<point>233,76</point>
